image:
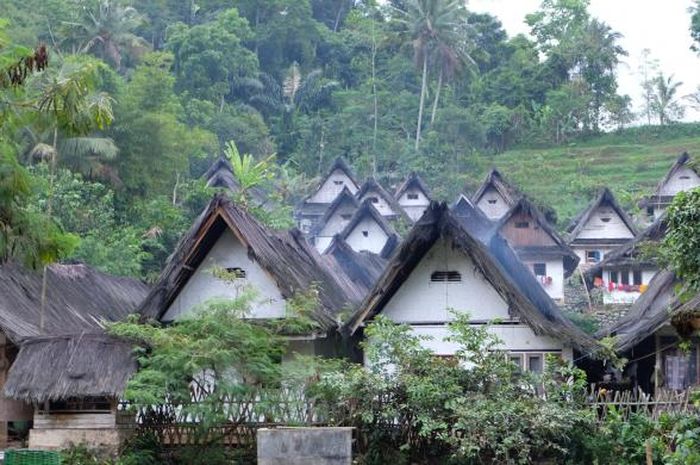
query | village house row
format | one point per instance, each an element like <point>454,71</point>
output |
<point>493,254</point>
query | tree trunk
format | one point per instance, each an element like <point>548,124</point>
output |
<point>376,103</point>
<point>422,98</point>
<point>437,98</point>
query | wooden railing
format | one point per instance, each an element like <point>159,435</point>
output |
<point>637,401</point>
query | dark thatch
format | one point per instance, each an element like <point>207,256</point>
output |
<point>604,197</point>
<point>220,175</point>
<point>649,313</point>
<point>367,210</point>
<point>78,298</point>
<point>359,270</point>
<point>413,181</point>
<point>491,255</point>
<point>285,256</point>
<point>657,199</point>
<point>526,207</point>
<point>371,186</point>
<point>686,318</point>
<point>60,367</point>
<point>344,198</point>
<point>495,180</point>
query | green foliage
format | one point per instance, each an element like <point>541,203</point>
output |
<point>681,245</point>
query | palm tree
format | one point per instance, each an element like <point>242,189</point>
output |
<point>108,30</point>
<point>432,25</point>
<point>663,100</point>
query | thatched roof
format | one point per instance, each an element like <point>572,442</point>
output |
<point>372,186</point>
<point>657,198</point>
<point>685,317</point>
<point>495,180</point>
<point>365,211</point>
<point>602,198</point>
<point>220,175</point>
<point>60,367</point>
<point>528,208</point>
<point>360,270</point>
<point>285,256</point>
<point>413,180</point>
<point>78,298</point>
<point>344,198</point>
<point>493,257</point>
<point>650,312</point>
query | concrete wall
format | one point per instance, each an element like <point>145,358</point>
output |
<point>332,186</point>
<point>414,208</point>
<point>367,235</point>
<point>492,204</point>
<point>304,446</point>
<point>683,179</point>
<point>228,252</point>
<point>605,223</point>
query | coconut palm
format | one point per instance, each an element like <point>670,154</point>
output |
<point>663,100</point>
<point>432,25</point>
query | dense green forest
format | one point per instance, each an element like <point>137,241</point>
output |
<point>111,110</point>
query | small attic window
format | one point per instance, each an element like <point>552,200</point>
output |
<point>236,272</point>
<point>522,224</point>
<point>365,233</point>
<point>446,277</point>
<point>346,216</point>
<point>492,201</point>
<point>373,199</point>
<point>605,219</point>
<point>412,196</point>
<point>338,182</point>
<point>685,177</point>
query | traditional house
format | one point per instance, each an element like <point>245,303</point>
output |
<point>337,216</point>
<point>220,175</point>
<point>647,337</point>
<point>682,176</point>
<point>495,196</point>
<point>381,199</point>
<point>359,269</point>
<point>413,196</point>
<point>446,264</point>
<point>277,265</point>
<point>65,373</point>
<point>625,273</point>
<point>600,228</point>
<point>369,231</point>
<point>539,246</point>
<point>312,208</point>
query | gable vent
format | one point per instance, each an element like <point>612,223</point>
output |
<point>446,277</point>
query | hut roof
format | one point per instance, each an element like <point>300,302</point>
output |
<point>78,298</point>
<point>413,180</point>
<point>657,198</point>
<point>495,180</point>
<point>360,269</point>
<point>60,367</point>
<point>220,175</point>
<point>367,210</point>
<point>371,185</point>
<point>603,197</point>
<point>493,257</point>
<point>525,206</point>
<point>649,313</point>
<point>338,164</point>
<point>345,197</point>
<point>285,256</point>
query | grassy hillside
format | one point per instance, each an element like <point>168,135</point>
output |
<point>630,163</point>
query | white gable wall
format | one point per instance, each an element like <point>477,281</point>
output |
<point>374,240</point>
<point>335,224</point>
<point>426,306</point>
<point>414,207</point>
<point>555,270</point>
<point>684,179</point>
<point>332,187</point>
<point>598,228</point>
<point>492,204</point>
<point>381,205</point>
<point>228,252</point>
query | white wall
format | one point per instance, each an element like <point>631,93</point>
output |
<point>597,228</point>
<point>683,179</point>
<point>414,208</point>
<point>374,241</point>
<point>228,252</point>
<point>623,297</point>
<point>332,186</point>
<point>335,224</point>
<point>381,205</point>
<point>492,204</point>
<point>580,251</point>
<point>555,270</point>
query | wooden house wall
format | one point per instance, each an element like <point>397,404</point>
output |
<point>533,235</point>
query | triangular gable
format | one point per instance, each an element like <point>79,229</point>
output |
<point>385,202</point>
<point>439,224</point>
<point>345,201</point>
<point>495,195</point>
<point>286,257</point>
<point>338,178</point>
<point>413,181</point>
<point>541,233</point>
<point>220,174</point>
<point>377,223</point>
<point>604,200</point>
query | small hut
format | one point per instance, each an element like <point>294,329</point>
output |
<point>682,176</point>
<point>413,195</point>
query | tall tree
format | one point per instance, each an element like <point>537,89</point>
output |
<point>664,99</point>
<point>695,25</point>
<point>648,69</point>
